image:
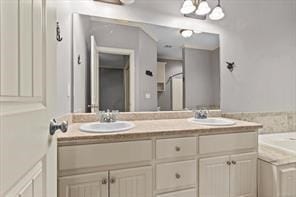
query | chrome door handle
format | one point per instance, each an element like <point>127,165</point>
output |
<point>54,126</point>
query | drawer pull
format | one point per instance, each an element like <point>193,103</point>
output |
<point>178,176</point>
<point>233,162</point>
<point>104,181</point>
<point>177,148</point>
<point>228,163</point>
<point>112,180</point>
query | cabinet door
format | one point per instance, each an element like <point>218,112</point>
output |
<point>135,182</point>
<point>214,177</point>
<point>86,185</point>
<point>243,177</point>
<point>287,179</point>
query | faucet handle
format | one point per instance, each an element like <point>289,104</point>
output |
<point>114,114</point>
<point>101,115</point>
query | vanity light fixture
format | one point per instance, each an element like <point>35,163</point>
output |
<point>186,33</point>
<point>187,7</point>
<point>217,13</point>
<point>202,9</point>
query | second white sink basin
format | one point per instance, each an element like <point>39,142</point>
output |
<point>107,127</point>
<point>213,121</point>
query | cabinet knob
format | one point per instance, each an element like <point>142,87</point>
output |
<point>112,180</point>
<point>228,163</point>
<point>104,181</point>
<point>178,176</point>
<point>233,162</point>
<point>177,148</point>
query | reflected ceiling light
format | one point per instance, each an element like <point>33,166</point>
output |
<point>127,2</point>
<point>197,31</point>
<point>217,13</point>
<point>186,33</point>
<point>203,8</point>
<point>187,7</point>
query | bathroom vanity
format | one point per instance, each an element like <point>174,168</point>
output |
<point>159,158</point>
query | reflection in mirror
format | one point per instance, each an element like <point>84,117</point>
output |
<point>129,66</point>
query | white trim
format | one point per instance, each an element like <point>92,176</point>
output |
<point>131,54</point>
<point>27,179</point>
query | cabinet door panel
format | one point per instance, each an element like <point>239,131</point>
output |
<point>136,182</point>
<point>243,175</point>
<point>86,185</point>
<point>214,177</point>
<point>288,181</point>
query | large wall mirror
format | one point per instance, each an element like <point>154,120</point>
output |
<point>130,66</point>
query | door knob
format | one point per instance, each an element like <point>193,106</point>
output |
<point>54,126</point>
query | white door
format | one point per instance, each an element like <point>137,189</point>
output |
<point>27,70</point>
<point>134,182</point>
<point>177,94</point>
<point>214,177</point>
<point>94,64</point>
<point>243,175</point>
<point>85,185</point>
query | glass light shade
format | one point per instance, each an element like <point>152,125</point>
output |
<point>127,2</point>
<point>217,13</point>
<point>187,7</point>
<point>186,33</point>
<point>203,8</point>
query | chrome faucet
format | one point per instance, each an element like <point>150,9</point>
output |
<point>201,114</point>
<point>108,116</point>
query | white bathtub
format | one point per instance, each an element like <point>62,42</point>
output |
<point>281,141</point>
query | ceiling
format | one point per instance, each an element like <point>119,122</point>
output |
<point>113,60</point>
<point>169,40</point>
<point>171,37</point>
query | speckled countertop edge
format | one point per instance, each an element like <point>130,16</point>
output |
<point>275,156</point>
<point>146,129</point>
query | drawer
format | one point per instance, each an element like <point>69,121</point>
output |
<point>227,142</point>
<point>176,147</point>
<point>93,155</point>
<point>184,193</point>
<point>175,175</point>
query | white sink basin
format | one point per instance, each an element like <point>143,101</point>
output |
<point>213,121</point>
<point>107,127</point>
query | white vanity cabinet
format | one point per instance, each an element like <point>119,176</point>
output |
<point>119,183</point>
<point>134,182</point>
<point>233,172</point>
<point>84,185</point>
<point>221,165</point>
<point>228,176</point>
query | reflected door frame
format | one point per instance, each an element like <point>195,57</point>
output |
<point>131,54</point>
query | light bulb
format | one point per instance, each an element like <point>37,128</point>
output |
<point>187,7</point>
<point>127,2</point>
<point>186,33</point>
<point>203,8</point>
<point>217,13</point>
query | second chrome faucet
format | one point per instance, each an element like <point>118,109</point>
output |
<point>108,116</point>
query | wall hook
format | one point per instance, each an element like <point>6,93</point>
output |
<point>230,66</point>
<point>59,37</point>
<point>79,60</point>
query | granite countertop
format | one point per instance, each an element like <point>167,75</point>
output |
<point>152,128</point>
<point>275,156</point>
